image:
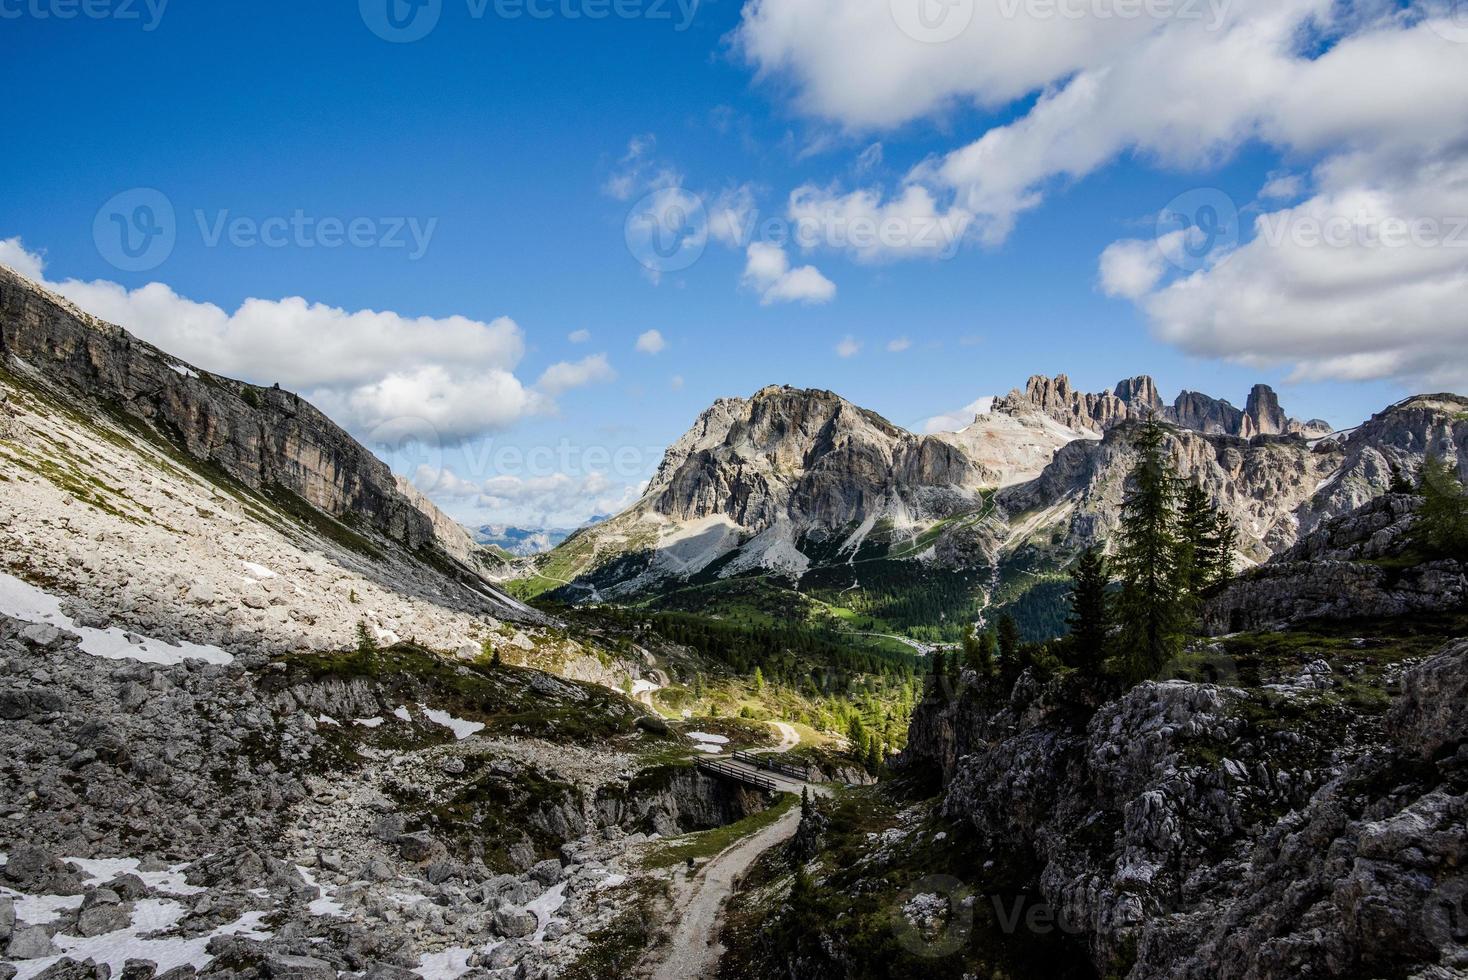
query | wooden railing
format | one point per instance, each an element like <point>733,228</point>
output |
<point>720,768</point>
<point>771,764</point>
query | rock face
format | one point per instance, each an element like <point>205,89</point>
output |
<point>1333,573</point>
<point>790,480</point>
<point>806,457</point>
<point>1181,843</point>
<point>265,438</point>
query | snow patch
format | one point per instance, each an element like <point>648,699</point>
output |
<point>401,713</point>
<point>24,601</point>
<point>367,722</point>
<point>462,729</point>
<point>259,572</point>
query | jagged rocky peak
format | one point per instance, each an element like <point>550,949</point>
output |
<point>1138,398</point>
<point>802,455</point>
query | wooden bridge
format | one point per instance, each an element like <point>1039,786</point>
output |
<point>770,763</point>
<point>738,773</point>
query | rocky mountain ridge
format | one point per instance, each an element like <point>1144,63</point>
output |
<point>264,438</point>
<point>790,482</point>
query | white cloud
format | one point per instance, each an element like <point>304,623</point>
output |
<point>1282,187</point>
<point>1131,268</point>
<point>579,336</point>
<point>910,225</point>
<point>676,382</point>
<point>565,375</point>
<point>959,419</point>
<point>898,344</point>
<point>1367,279</point>
<point>650,342</point>
<point>868,160</point>
<point>1185,91</point>
<point>731,216</point>
<point>636,171</point>
<point>14,256</point>
<point>848,346</point>
<point>364,368</point>
<point>552,500</point>
<point>767,271</point>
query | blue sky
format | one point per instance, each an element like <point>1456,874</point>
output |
<point>523,144</point>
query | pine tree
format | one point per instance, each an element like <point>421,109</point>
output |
<point>1011,662</point>
<point>1197,525</point>
<point>805,807</point>
<point>366,642</point>
<point>759,680</point>
<point>1088,611</point>
<point>978,652</point>
<point>1151,610</point>
<point>1399,482</point>
<point>1441,526</point>
<point>1224,542</point>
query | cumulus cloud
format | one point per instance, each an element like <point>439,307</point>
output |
<point>1184,91</point>
<point>365,368</point>
<point>579,336</point>
<point>1131,267</point>
<point>650,342</point>
<point>848,346</point>
<point>767,271</point>
<point>1361,281</point>
<point>551,500</point>
<point>565,375</point>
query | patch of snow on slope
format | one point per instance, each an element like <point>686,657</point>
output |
<point>149,916</point>
<point>101,870</point>
<point>462,729</point>
<point>22,600</point>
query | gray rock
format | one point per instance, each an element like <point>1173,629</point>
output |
<point>513,923</point>
<point>138,970</point>
<point>547,872</point>
<point>282,966</point>
<point>31,943</point>
<point>7,919</point>
<point>101,919</point>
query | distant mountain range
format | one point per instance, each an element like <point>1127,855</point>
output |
<point>803,492</point>
<point>522,542</point>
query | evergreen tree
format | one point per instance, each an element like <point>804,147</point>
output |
<point>940,670</point>
<point>1011,658</point>
<point>1152,606</point>
<point>1088,611</point>
<point>759,680</point>
<point>978,652</point>
<point>1399,482</point>
<point>1224,542</point>
<point>366,642</point>
<point>1197,526</point>
<point>1441,526</point>
<point>805,808</point>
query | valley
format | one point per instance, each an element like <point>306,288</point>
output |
<point>265,711</point>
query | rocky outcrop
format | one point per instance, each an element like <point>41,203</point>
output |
<point>805,457</point>
<point>1276,595</point>
<point>1181,840</point>
<point>264,438</point>
<point>1355,565</point>
<point>1206,414</point>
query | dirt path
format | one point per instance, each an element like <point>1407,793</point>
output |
<point>789,737</point>
<point>694,952</point>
